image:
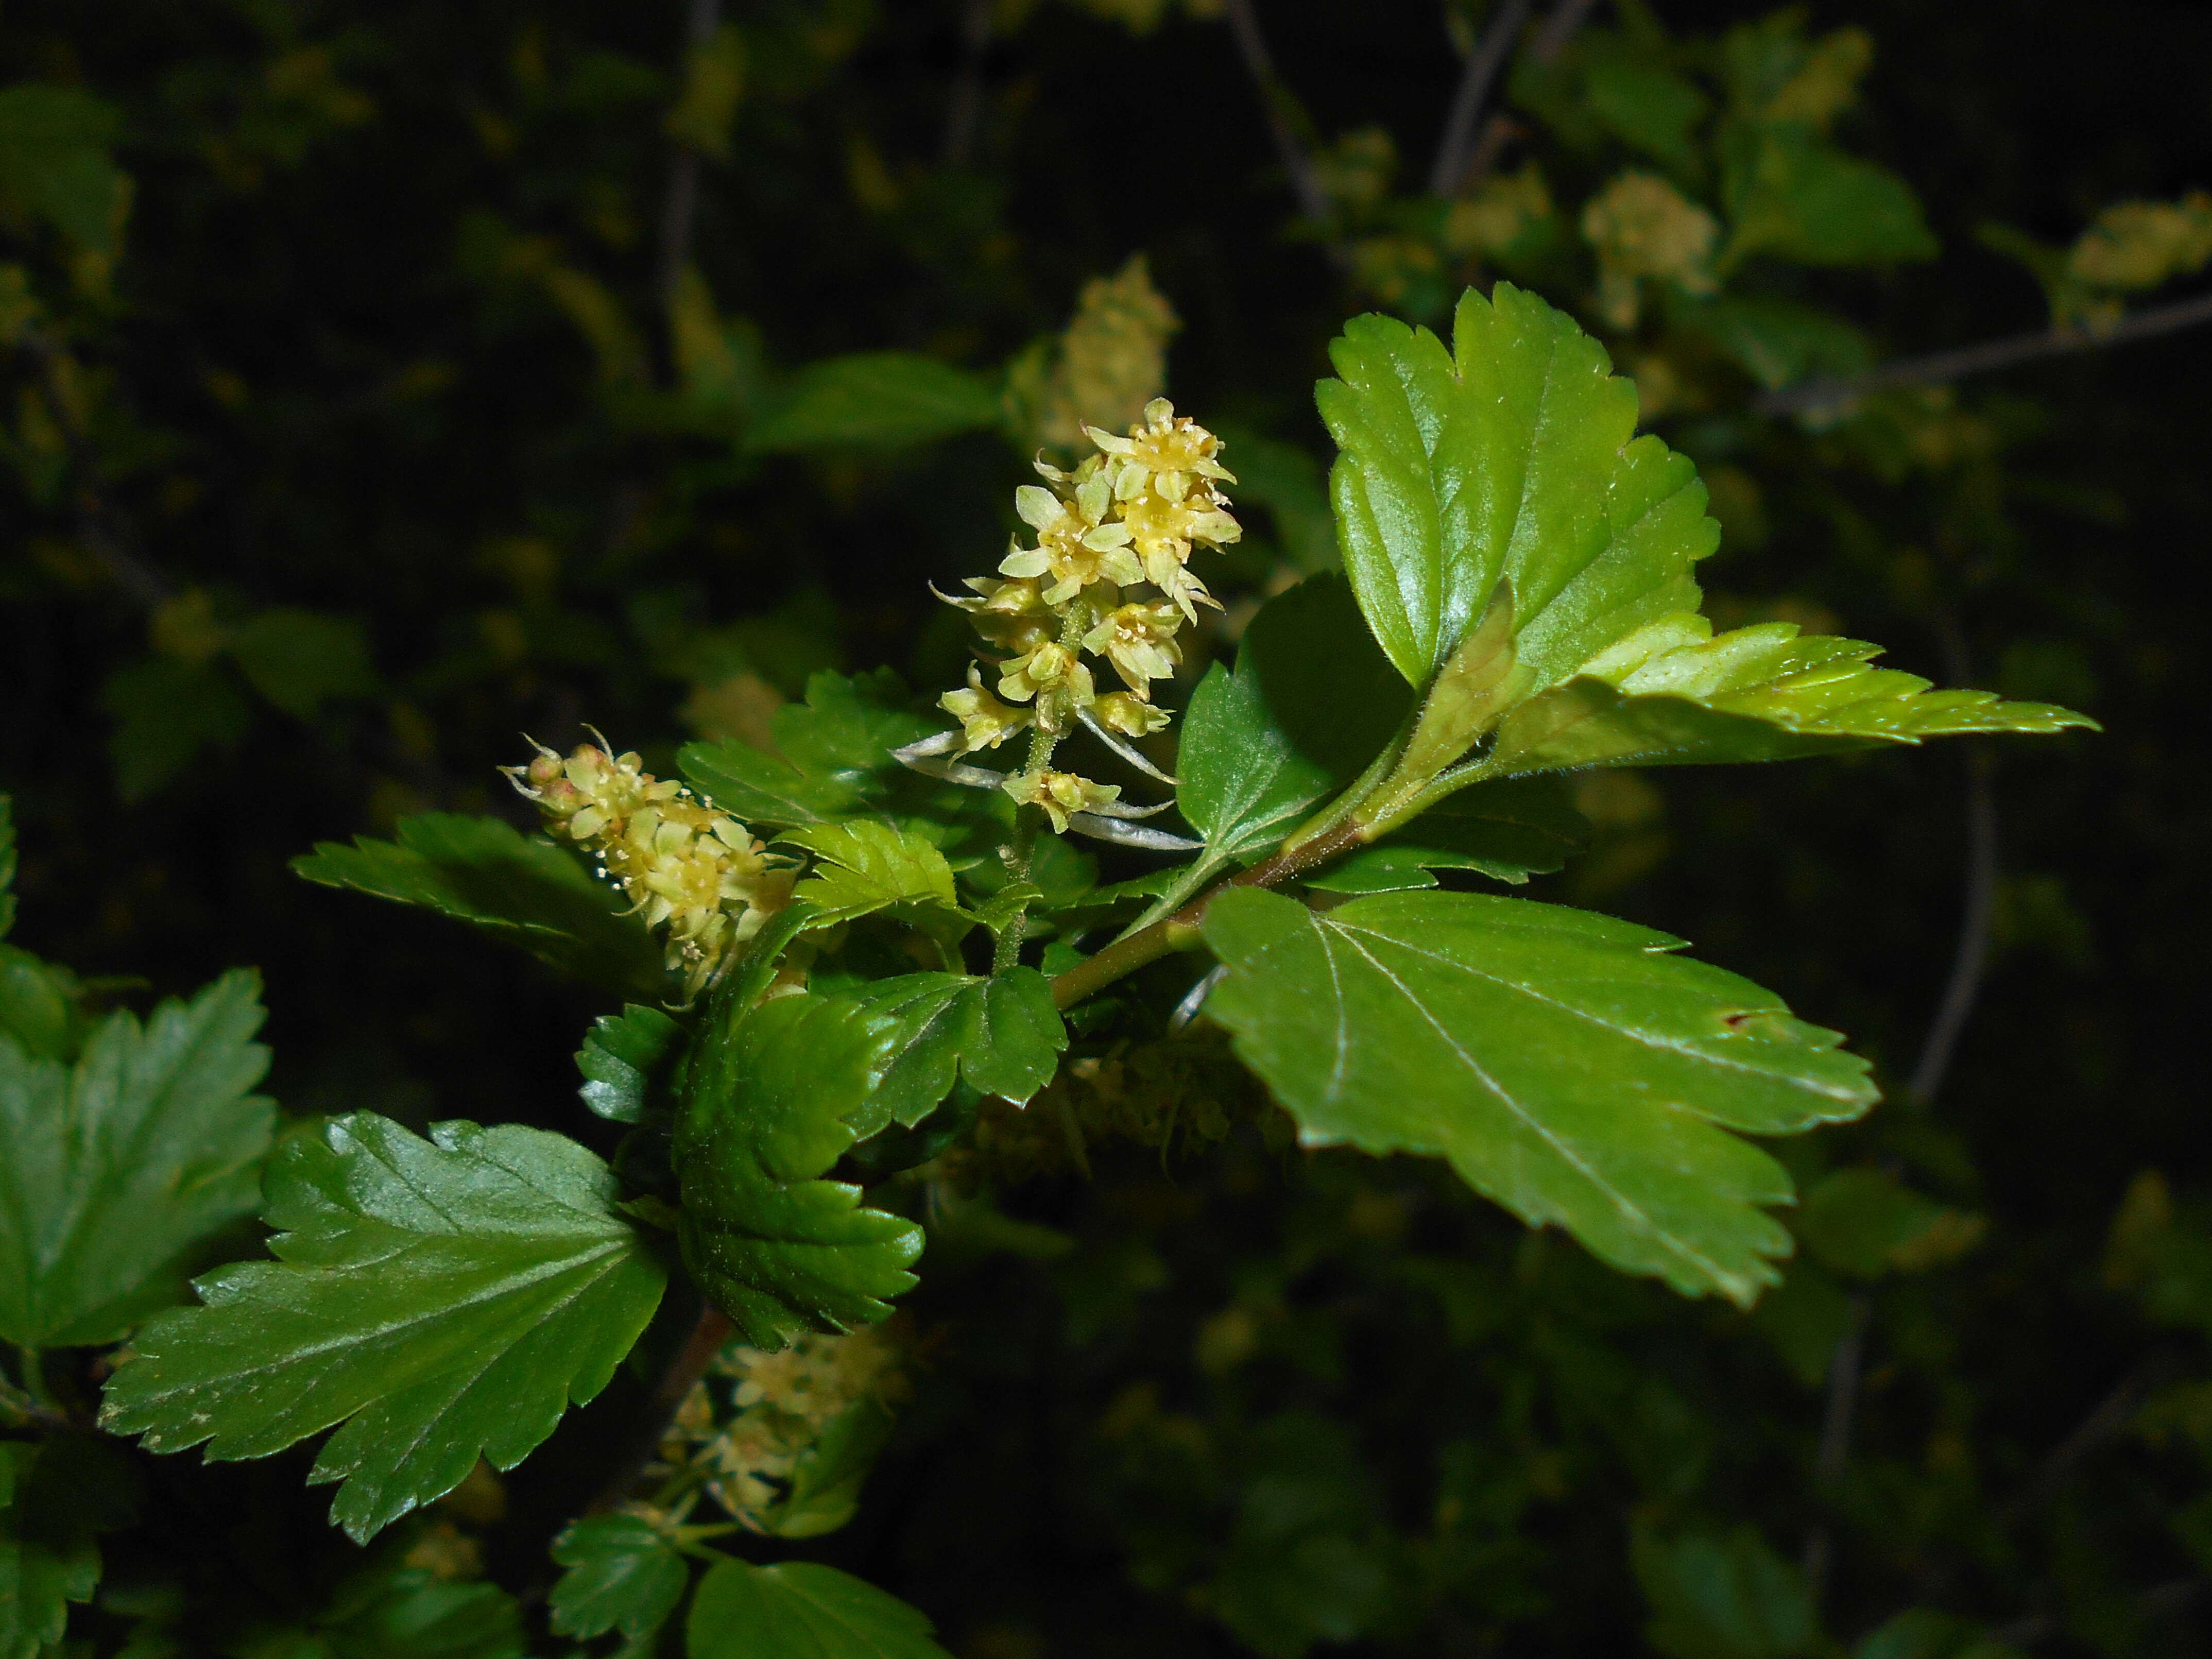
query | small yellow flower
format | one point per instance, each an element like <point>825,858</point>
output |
<point>1139,639</point>
<point>1078,543</point>
<point>1132,717</point>
<point>1165,447</point>
<point>985,722</point>
<point>1060,794</point>
<point>1050,666</point>
<point>1642,226</point>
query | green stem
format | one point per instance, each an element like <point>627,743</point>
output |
<point>35,1378</point>
<point>1029,823</point>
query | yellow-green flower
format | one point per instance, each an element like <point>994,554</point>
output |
<point>1077,541</point>
<point>985,722</point>
<point>1060,793</point>
<point>1132,716</point>
<point>1139,639</point>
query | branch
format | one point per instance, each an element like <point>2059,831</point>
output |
<point>1990,355</point>
<point>1282,109</point>
<point>1550,41</point>
<point>101,525</point>
<point>679,209</point>
<point>1972,957</point>
<point>1836,1434</point>
<point>685,1368</point>
<point>1482,66</point>
<point>2109,1415</point>
<point>965,111</point>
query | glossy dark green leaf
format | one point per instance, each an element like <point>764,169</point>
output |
<point>801,1611</point>
<point>1724,1596</point>
<point>1003,1033</point>
<point>300,659</point>
<point>625,1059</point>
<point>878,400</point>
<point>121,1168</point>
<point>835,759</point>
<point>1310,704</point>
<point>622,1574</point>
<point>1566,1064</point>
<point>770,1100</point>
<point>1507,831</point>
<point>1673,694</point>
<point>443,1300</point>
<point>1510,458</point>
<point>522,889</point>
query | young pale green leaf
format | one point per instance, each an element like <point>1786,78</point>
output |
<point>56,1497</point>
<point>1311,703</point>
<point>622,1574</point>
<point>1507,831</point>
<point>1003,1033</point>
<point>623,1059</point>
<point>1567,1066</point>
<point>1512,458</point>
<point>835,756</point>
<point>877,399</point>
<point>1723,1597</point>
<point>768,1110</point>
<point>865,866</point>
<point>522,889</point>
<point>121,1168</point>
<point>1673,694</point>
<point>443,1300</point>
<point>801,1611</point>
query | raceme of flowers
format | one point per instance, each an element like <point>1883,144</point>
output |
<point>690,866</point>
<point>1110,580</point>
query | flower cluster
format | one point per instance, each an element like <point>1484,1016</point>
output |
<point>1641,226</point>
<point>749,1426</point>
<point>684,864</point>
<point>1108,578</point>
<point>1110,362</point>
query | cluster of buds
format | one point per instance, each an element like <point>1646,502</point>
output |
<point>748,1426</point>
<point>1110,578</point>
<point>683,865</point>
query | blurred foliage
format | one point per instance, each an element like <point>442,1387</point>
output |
<point>383,382</point>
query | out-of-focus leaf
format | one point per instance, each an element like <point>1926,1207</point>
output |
<point>835,758</point>
<point>624,1574</point>
<point>1649,106</point>
<point>799,1609</point>
<point>1723,1597</point>
<point>878,400</point>
<point>1779,342</point>
<point>1566,1065</point>
<point>54,161</point>
<point>300,659</point>
<point>167,712</point>
<point>56,1497</point>
<point>119,1168</point>
<point>827,1479</point>
<point>1864,1223</point>
<point>1290,483</point>
<point>1805,1317</point>
<point>770,1102</point>
<point>522,889</point>
<point>1791,195</point>
<point>443,1300</point>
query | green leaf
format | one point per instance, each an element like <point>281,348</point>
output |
<point>54,160</point>
<point>1924,1633</point>
<point>1510,458</point>
<point>828,1477</point>
<point>1566,1065</point>
<point>166,712</point>
<point>865,866</point>
<point>1650,107</point>
<point>1864,1223</point>
<point>1003,1033</point>
<point>625,1060</point>
<point>801,1611</point>
<point>1723,1597</point>
<point>1791,195</point>
<point>768,1110</point>
<point>41,1006</point>
<point>56,1497</point>
<point>877,399</point>
<point>444,1299</point>
<point>1805,1317</point>
<point>1311,703</point>
<point>1507,831</point>
<point>1287,481</point>
<point>522,889</point>
<point>1779,342</point>
<point>300,659</point>
<point>121,1168</point>
<point>622,1574</point>
<point>835,760</point>
<point>1672,694</point>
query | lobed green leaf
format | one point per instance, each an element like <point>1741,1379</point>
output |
<point>623,1573</point>
<point>877,399</point>
<point>624,1061</point>
<point>799,1610</point>
<point>1565,1064</point>
<point>120,1169</point>
<point>443,1299</point>
<point>1003,1033</point>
